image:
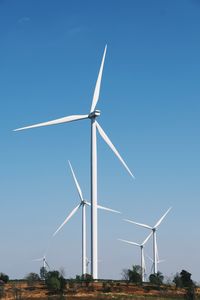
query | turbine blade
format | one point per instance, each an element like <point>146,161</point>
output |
<point>104,208</point>
<point>108,209</point>
<point>67,219</point>
<point>139,224</point>
<point>128,242</point>
<point>76,182</point>
<point>54,122</point>
<point>98,83</point>
<point>149,258</point>
<point>161,260</point>
<point>161,219</point>
<point>146,240</point>
<point>110,144</point>
<point>38,259</point>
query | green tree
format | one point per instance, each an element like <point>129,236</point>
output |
<point>183,280</point>
<point>132,275</point>
<point>156,278</point>
<point>125,274</point>
<point>178,281</point>
<point>4,277</point>
<point>186,279</point>
<point>55,282</point>
<point>32,278</point>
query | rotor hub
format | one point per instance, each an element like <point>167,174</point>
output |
<point>94,114</point>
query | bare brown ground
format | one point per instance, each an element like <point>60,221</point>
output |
<point>20,290</point>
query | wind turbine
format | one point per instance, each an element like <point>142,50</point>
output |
<point>154,229</point>
<point>82,204</point>
<point>158,261</point>
<point>93,114</point>
<point>143,266</point>
<point>43,259</point>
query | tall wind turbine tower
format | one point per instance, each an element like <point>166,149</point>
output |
<point>93,114</point>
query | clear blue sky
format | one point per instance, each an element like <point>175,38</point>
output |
<point>150,104</point>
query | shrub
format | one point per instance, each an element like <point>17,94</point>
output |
<point>55,282</point>
<point>4,277</point>
<point>32,278</point>
<point>156,278</point>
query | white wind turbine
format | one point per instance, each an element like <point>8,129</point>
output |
<point>158,261</point>
<point>143,265</point>
<point>43,259</point>
<point>154,229</point>
<point>82,204</point>
<point>93,114</point>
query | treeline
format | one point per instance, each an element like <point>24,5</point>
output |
<point>55,282</point>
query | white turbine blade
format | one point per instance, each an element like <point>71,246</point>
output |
<point>98,83</point>
<point>128,242</point>
<point>161,260</point>
<point>104,208</point>
<point>76,182</point>
<point>161,219</point>
<point>67,219</point>
<point>149,258</point>
<point>54,122</point>
<point>146,240</point>
<point>110,144</point>
<point>38,259</point>
<point>139,224</point>
<point>108,209</point>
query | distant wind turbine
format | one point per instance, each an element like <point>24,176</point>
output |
<point>82,204</point>
<point>143,265</point>
<point>93,114</point>
<point>43,259</point>
<point>154,229</point>
<point>158,261</point>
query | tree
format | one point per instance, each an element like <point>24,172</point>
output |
<point>156,278</point>
<point>177,280</point>
<point>186,279</point>
<point>125,274</point>
<point>55,282</point>
<point>4,277</point>
<point>32,278</point>
<point>132,275</point>
<point>183,279</point>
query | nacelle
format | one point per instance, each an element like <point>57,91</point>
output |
<point>94,114</point>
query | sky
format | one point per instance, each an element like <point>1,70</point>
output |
<point>50,56</point>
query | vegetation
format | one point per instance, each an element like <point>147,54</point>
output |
<point>32,278</point>
<point>156,279</point>
<point>4,277</point>
<point>133,275</point>
<point>55,282</point>
<point>183,280</point>
<point>53,285</point>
